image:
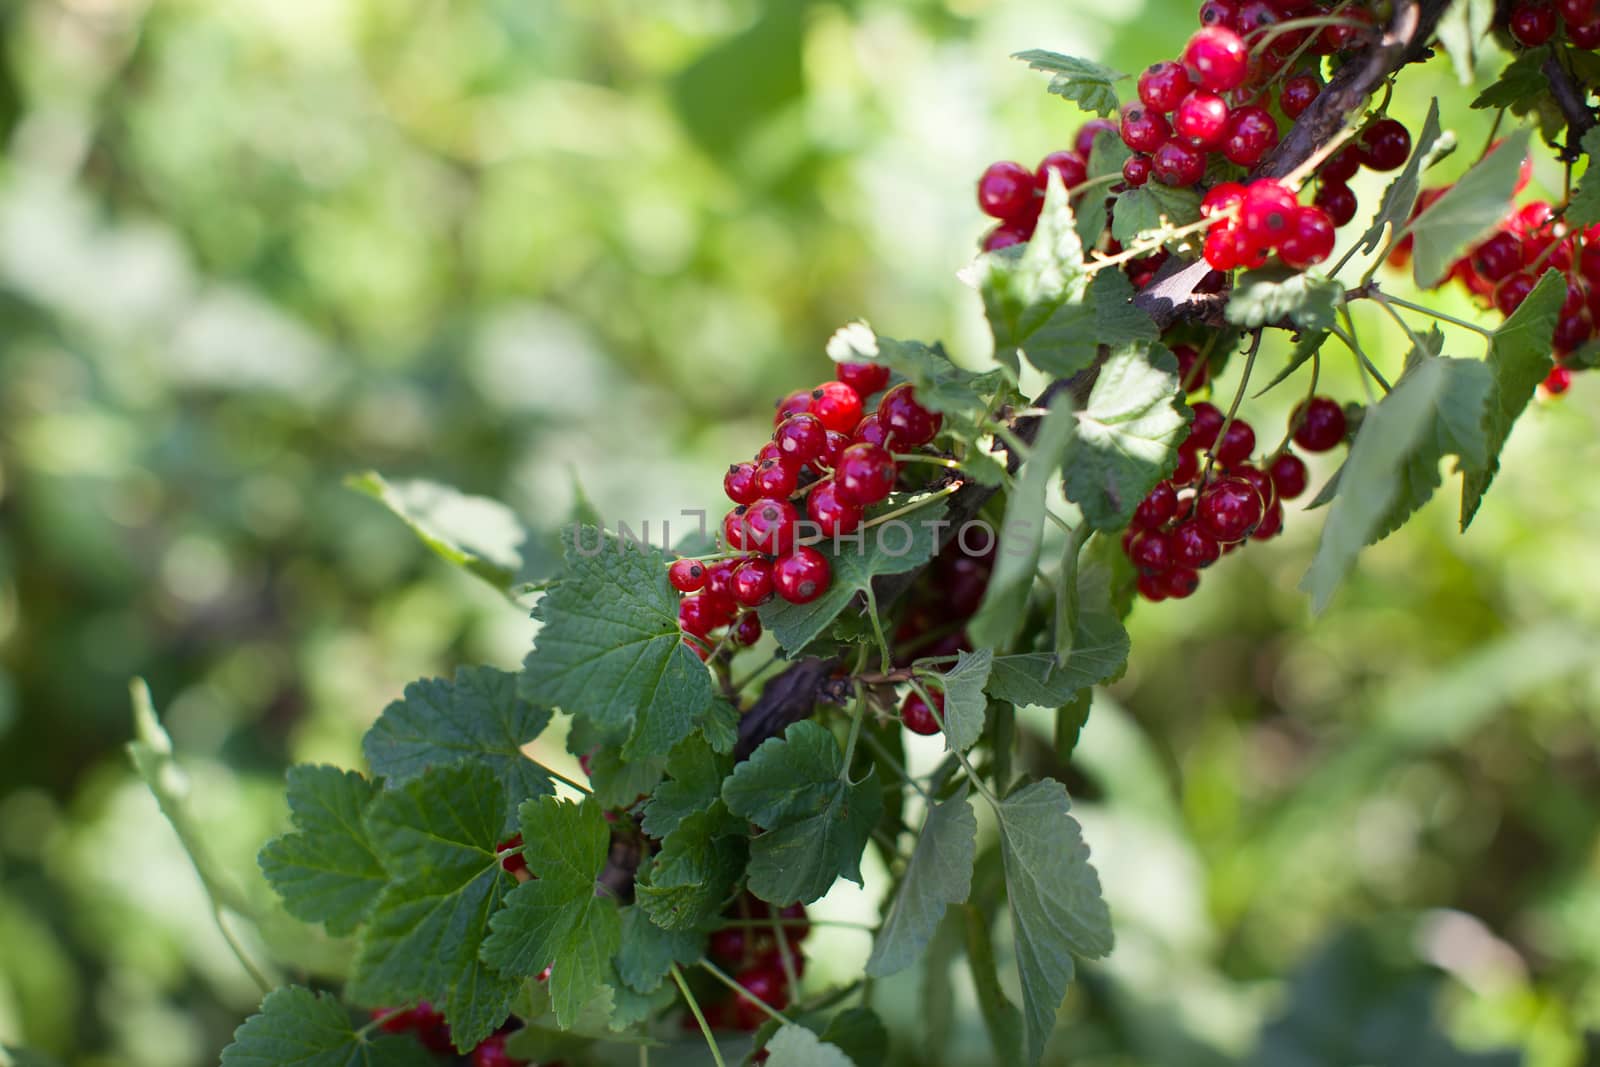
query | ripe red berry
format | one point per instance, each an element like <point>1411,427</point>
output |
<point>740,483</point>
<point>719,578</point>
<point>793,404</point>
<point>836,444</point>
<point>1005,235</point>
<point>686,575</point>
<point>1342,165</point>
<point>1136,170</point>
<point>871,431</point>
<point>1266,211</point>
<point>1218,57</point>
<point>837,406</point>
<point>1162,85</point>
<point>1221,200</point>
<point>1188,467</point>
<point>1498,257</point>
<point>1318,424</point>
<point>833,515</point>
<point>733,531</point>
<point>1143,129</point>
<point>1201,118</point>
<point>700,614</point>
<point>1192,370</point>
<point>769,526</point>
<point>774,479</point>
<point>865,475</point>
<point>1558,381</point>
<point>801,576</point>
<point>1338,200</point>
<point>1229,509</point>
<point>1576,12</point>
<point>1260,479</point>
<point>770,450</point>
<point>1238,441</point>
<point>1178,164</point>
<point>1192,547</point>
<point>1083,144</point>
<point>1385,145</point>
<point>1510,294</point>
<point>1069,167</point>
<point>915,715</point>
<point>1289,475</point>
<point>1180,582</point>
<point>1585,35</point>
<point>801,438</point>
<point>1157,508</point>
<point>1150,550</point>
<point>747,631</point>
<point>491,1052</point>
<point>1532,24</point>
<point>864,378</point>
<point>727,945</point>
<point>1572,331</point>
<point>1208,420</point>
<point>1271,524</point>
<point>909,422</point>
<point>1298,93</point>
<point>1153,587</point>
<point>768,985</point>
<point>796,925</point>
<point>1252,132</point>
<point>1005,191</point>
<point>752,583</point>
<point>1219,13</point>
<point>1309,240</point>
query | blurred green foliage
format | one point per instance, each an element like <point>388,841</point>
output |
<point>249,249</point>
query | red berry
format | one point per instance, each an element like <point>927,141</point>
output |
<point>1162,85</point>
<point>1385,145</point>
<point>1006,191</point>
<point>909,422</point>
<point>1192,547</point>
<point>1259,479</point>
<point>491,1052</point>
<point>1192,370</point>
<point>915,715</point>
<point>1136,170</point>
<point>1188,467</point>
<point>1576,12</point>
<point>1532,24</point>
<point>1069,166</point>
<point>1252,132</point>
<point>727,945</point>
<point>752,583</point>
<point>1498,257</point>
<point>793,404</point>
<point>1512,292</point>
<point>964,587</point>
<point>700,614</point>
<point>1271,523</point>
<point>1298,93</point>
<point>1201,119</point>
<point>1207,424</point>
<point>1004,236</point>
<point>747,631</point>
<point>516,861</point>
<point>770,450</point>
<point>733,530</point>
<point>686,575</point>
<point>719,578</point>
<point>1338,200</point>
<point>801,438</point>
<point>774,479</point>
<point>1229,509</point>
<point>1219,13</point>
<point>1342,166</point>
<point>1571,332</point>
<point>865,475</point>
<point>871,431</point>
<point>837,443</point>
<point>1178,164</point>
<point>1150,550</point>
<point>1238,441</point>
<point>1222,200</point>
<point>796,926</point>
<point>1180,582</point>
<point>1143,129</point>
<point>1153,587</point>
<point>1267,211</point>
<point>837,406</point>
<point>1255,16</point>
<point>1289,475</point>
<point>769,526</point>
<point>1157,508</point>
<point>1083,144</point>
<point>768,985</point>
<point>1218,57</point>
<point>1318,424</point>
<point>864,378</point>
<point>1585,35</point>
<point>1309,240</point>
<point>802,576</point>
<point>740,483</point>
<point>1558,381</point>
<point>833,515</point>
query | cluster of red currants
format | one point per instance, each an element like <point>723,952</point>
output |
<point>752,952</point>
<point>1216,499</point>
<point>1533,22</point>
<point>825,456</point>
<point>1249,221</point>
<point>433,1033</point>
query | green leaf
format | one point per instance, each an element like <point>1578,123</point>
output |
<point>1021,292</point>
<point>1267,296</point>
<point>1056,908</point>
<point>556,920</point>
<point>1462,27</point>
<point>1151,211</point>
<point>298,1028</point>
<point>326,871</point>
<point>1584,208</point>
<point>1310,343</point>
<point>795,1046</point>
<point>1087,83</point>
<point>436,836</point>
<point>1436,408</point>
<point>610,650</point>
<point>1519,359</point>
<point>1074,335</point>
<point>860,1034</point>
<point>964,702</point>
<point>940,384</point>
<point>479,534</point>
<point>1126,439</point>
<point>1401,196</point>
<point>1521,85</point>
<point>1108,155</point>
<point>1000,1017</point>
<point>1468,212</point>
<point>939,874</point>
<point>694,784</point>
<point>894,547</point>
<point>1099,654</point>
<point>476,716</point>
<point>999,618</point>
<point>693,875</point>
<point>816,821</point>
<point>648,952</point>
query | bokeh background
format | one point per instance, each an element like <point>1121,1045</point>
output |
<point>517,246</point>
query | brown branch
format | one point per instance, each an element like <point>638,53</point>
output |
<point>1574,104</point>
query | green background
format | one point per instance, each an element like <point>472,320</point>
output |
<point>520,245</point>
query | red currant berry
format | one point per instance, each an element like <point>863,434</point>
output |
<point>1229,509</point>
<point>1193,371</point>
<point>1558,381</point>
<point>752,583</point>
<point>774,479</point>
<point>1271,523</point>
<point>1342,166</point>
<point>727,945</point>
<point>1143,130</point>
<point>1083,144</point>
<point>768,985</point>
<point>719,578</point>
<point>733,531</point>
<point>1255,16</point>
<point>837,406</point>
<point>686,575</point>
<point>964,587</point>
<point>909,422</point>
<point>769,526</point>
<point>801,438</point>
<point>796,924</point>
<point>865,475</point>
<point>1201,119</point>
<point>1218,57</point>
<point>1192,547</point>
<point>1177,164</point>
<point>1298,93</point>
<point>1163,85</point>
<point>1498,257</point>
<point>700,614</point>
<point>1156,509</point>
<point>1576,12</point>
<point>864,378</point>
<point>1338,200</point>
<point>1005,191</point>
<point>1318,424</point>
<point>1385,145</point>
<point>793,404</point>
<point>1069,166</point>
<point>1150,550</point>
<point>834,517</point>
<point>802,576</point>
<point>1260,479</point>
<point>916,716</point>
<point>1571,333</point>
<point>1532,24</point>
<point>516,861</point>
<point>1267,211</point>
<point>1342,38</point>
<point>1219,13</point>
<point>1207,424</point>
<point>1222,200</point>
<point>740,483</point>
<point>1252,133</point>
<point>1238,441</point>
<point>1510,294</point>
<point>1005,236</point>
<point>747,631</point>
<point>1153,587</point>
<point>1585,35</point>
<point>1289,475</point>
<point>871,431</point>
<point>1309,240</point>
<point>1180,582</point>
<point>837,443</point>
<point>1188,468</point>
<point>1221,248</point>
<point>771,451</point>
<point>491,1052</point>
<point>1136,170</point>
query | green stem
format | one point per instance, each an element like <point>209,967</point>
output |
<point>885,660</point>
<point>739,990</point>
<point>1384,300</point>
<point>917,457</point>
<point>699,1016</point>
<point>1233,408</point>
<point>899,768</point>
<point>261,980</point>
<point>856,719</point>
<point>966,765</point>
<point>906,509</point>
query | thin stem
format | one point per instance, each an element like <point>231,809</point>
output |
<point>261,980</point>
<point>920,502</point>
<point>721,976</point>
<point>1296,177</point>
<point>966,765</point>
<point>699,1016</point>
<point>1400,321</point>
<point>879,750</point>
<point>1233,408</point>
<point>786,957</point>
<point>917,457</point>
<point>1140,250</point>
<point>1385,298</point>
<point>564,780</point>
<point>884,659</point>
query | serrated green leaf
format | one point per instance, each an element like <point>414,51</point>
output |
<point>795,1046</point>
<point>1076,332</point>
<point>1021,292</point>
<point>556,920</point>
<point>610,650</point>
<point>1099,654</point>
<point>1275,293</point>
<point>694,784</point>
<point>939,874</point>
<point>999,617</point>
<point>298,1028</point>
<point>326,870</point>
<point>617,783</point>
<point>436,837</point>
<point>1435,408</point>
<point>859,1034</point>
<point>476,716</point>
<point>964,702</point>
<point>1583,209</point>
<point>1463,25</point>
<point>693,875</point>
<point>940,384</point>
<point>1091,85</point>
<point>1152,209</point>
<point>648,952</point>
<point>1310,344</point>
<point>1430,146</point>
<point>816,821</point>
<point>1468,212</point>
<point>1057,911</point>
<point>1126,439</point>
<point>894,547</point>
<point>1521,85</point>
<point>1519,359</point>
